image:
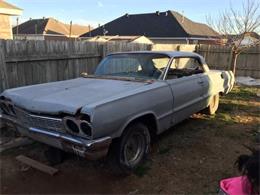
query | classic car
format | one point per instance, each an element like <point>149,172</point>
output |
<point>131,97</point>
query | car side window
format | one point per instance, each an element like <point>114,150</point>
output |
<point>184,66</point>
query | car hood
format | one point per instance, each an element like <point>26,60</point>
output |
<point>68,96</point>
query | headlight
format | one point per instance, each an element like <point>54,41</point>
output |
<point>78,126</point>
<point>71,125</point>
<point>85,128</point>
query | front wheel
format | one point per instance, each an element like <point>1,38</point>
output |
<point>132,148</point>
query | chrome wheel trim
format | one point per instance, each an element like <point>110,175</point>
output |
<point>134,149</point>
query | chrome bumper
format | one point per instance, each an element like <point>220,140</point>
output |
<point>90,149</point>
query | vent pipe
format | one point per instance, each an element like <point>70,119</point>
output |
<point>183,18</point>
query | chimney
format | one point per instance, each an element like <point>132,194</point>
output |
<point>182,20</point>
<point>70,29</point>
<point>89,30</point>
<point>17,25</point>
<point>43,17</point>
<point>157,13</point>
<point>127,15</point>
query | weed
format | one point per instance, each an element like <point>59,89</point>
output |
<point>142,170</point>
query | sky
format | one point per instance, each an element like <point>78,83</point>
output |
<point>96,12</point>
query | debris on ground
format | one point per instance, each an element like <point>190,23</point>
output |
<point>248,81</point>
<point>25,168</point>
<point>4,140</point>
<point>37,165</point>
<point>18,142</point>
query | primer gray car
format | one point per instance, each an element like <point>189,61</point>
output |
<point>131,97</point>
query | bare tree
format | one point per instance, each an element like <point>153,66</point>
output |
<point>234,25</point>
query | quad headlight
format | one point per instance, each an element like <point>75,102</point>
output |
<point>78,126</point>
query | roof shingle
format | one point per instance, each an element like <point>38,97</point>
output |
<point>164,24</point>
<point>50,26</point>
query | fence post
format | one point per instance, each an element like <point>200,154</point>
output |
<point>3,74</point>
<point>3,84</point>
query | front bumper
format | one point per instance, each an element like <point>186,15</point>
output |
<point>90,149</point>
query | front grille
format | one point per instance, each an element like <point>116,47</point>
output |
<point>37,121</point>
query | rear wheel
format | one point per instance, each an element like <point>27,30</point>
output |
<point>213,106</point>
<point>132,148</point>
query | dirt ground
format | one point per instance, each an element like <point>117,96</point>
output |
<point>189,158</point>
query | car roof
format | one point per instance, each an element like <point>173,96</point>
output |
<point>168,53</point>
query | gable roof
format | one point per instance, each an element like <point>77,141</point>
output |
<point>9,9</point>
<point>50,26</point>
<point>194,28</point>
<point>129,39</point>
<point>164,24</point>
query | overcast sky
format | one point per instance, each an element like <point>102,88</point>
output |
<point>96,12</point>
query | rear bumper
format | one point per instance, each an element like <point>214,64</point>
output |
<point>90,149</point>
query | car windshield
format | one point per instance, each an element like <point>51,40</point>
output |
<point>136,66</point>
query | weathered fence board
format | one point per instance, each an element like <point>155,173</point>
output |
<point>32,62</point>
<point>3,71</point>
<point>218,57</point>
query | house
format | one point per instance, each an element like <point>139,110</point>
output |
<point>250,38</point>
<point>241,40</point>
<point>6,11</point>
<point>126,39</point>
<point>48,29</point>
<point>160,27</point>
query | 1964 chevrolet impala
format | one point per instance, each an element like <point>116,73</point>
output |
<point>131,97</point>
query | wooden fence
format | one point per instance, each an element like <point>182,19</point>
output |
<point>32,62</point>
<point>218,57</point>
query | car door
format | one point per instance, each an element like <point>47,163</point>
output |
<point>187,90</point>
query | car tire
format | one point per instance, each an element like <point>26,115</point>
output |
<point>213,106</point>
<point>131,149</point>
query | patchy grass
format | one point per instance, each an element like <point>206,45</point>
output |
<point>227,118</point>
<point>243,93</point>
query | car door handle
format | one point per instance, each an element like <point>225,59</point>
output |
<point>200,82</point>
